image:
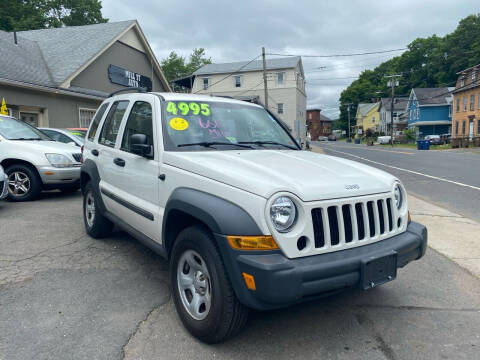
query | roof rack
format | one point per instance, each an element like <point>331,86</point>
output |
<point>137,89</point>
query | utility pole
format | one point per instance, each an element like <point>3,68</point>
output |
<point>349,127</point>
<point>265,77</point>
<point>392,82</point>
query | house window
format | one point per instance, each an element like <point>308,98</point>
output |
<point>205,83</point>
<point>458,103</point>
<point>478,127</point>
<point>478,103</point>
<point>450,110</point>
<point>474,75</point>
<point>465,100</point>
<point>280,108</point>
<point>310,116</point>
<point>238,80</point>
<point>456,128</point>
<point>280,78</point>
<point>472,102</point>
<point>373,119</point>
<point>463,127</point>
<point>462,82</point>
<point>86,116</point>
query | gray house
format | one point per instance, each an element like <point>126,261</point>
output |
<point>58,77</point>
<point>399,108</point>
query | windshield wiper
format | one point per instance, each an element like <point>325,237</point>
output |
<point>268,143</point>
<point>210,143</point>
<point>23,138</point>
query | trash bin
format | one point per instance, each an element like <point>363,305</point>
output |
<point>357,141</point>
<point>426,145</point>
<point>419,144</point>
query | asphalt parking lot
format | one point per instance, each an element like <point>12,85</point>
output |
<point>64,295</point>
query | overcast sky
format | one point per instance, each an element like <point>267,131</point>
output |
<point>237,30</point>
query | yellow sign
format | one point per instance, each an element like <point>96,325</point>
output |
<point>3,108</point>
<point>179,124</point>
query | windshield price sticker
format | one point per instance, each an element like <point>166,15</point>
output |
<point>188,108</point>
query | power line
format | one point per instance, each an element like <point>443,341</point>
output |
<point>340,78</point>
<point>340,55</point>
<point>232,73</point>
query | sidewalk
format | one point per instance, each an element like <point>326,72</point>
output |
<point>452,235</point>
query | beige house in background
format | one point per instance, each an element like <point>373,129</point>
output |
<point>285,82</point>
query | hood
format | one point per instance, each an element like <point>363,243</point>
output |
<point>47,146</point>
<point>308,175</point>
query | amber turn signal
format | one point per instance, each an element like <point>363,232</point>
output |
<point>252,242</point>
<point>409,217</point>
<point>249,281</point>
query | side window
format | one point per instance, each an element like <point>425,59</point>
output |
<point>96,121</point>
<point>109,133</point>
<point>139,122</point>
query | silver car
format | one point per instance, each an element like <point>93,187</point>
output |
<point>3,184</point>
<point>64,135</point>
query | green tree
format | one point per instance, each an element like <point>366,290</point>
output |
<point>175,66</point>
<point>428,62</point>
<point>18,15</point>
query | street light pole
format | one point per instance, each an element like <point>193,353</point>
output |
<point>393,83</point>
<point>265,77</point>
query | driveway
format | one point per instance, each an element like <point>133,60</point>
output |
<point>64,295</point>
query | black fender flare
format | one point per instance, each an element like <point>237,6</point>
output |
<point>219,215</point>
<point>89,170</point>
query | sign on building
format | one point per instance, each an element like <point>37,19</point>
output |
<point>128,78</point>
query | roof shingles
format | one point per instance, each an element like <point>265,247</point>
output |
<point>244,66</point>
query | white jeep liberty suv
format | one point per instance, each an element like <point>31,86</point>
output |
<point>246,219</point>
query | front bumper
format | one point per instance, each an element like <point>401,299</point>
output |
<point>3,186</point>
<point>54,176</point>
<point>281,281</point>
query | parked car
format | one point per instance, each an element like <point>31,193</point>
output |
<point>384,139</point>
<point>221,189</point>
<point>446,138</point>
<point>332,137</point>
<point>34,162</point>
<point>82,132</point>
<point>434,139</point>
<point>65,136</point>
<point>3,184</point>
<point>322,138</point>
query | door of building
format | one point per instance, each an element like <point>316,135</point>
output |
<point>470,130</point>
<point>29,118</point>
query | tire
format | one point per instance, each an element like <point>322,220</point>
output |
<point>96,225</point>
<point>24,183</point>
<point>224,316</point>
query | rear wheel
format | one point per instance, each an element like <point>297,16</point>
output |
<point>203,295</point>
<point>24,184</point>
<point>96,224</point>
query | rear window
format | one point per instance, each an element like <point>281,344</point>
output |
<point>96,121</point>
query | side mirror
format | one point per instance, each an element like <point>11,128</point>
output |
<point>139,145</point>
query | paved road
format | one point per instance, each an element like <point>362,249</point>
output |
<point>450,179</point>
<point>64,295</point>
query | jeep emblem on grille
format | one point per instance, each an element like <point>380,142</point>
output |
<point>352,187</point>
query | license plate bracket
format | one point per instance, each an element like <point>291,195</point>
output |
<point>378,270</point>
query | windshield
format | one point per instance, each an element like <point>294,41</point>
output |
<point>199,126</point>
<point>78,134</point>
<point>12,129</point>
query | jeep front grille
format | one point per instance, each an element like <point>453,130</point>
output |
<point>355,222</point>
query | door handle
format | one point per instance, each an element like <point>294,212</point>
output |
<point>94,152</point>
<point>119,162</point>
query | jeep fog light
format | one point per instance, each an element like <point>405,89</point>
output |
<point>283,213</point>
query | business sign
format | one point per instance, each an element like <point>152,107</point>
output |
<point>124,77</point>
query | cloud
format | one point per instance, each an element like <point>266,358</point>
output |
<point>236,31</point>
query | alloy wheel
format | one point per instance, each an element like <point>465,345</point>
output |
<point>18,183</point>
<point>89,209</point>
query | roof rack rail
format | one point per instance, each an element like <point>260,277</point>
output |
<point>137,89</point>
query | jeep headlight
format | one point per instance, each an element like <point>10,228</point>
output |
<point>58,160</point>
<point>283,213</point>
<point>398,194</point>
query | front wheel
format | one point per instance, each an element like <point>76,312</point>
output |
<point>203,295</point>
<point>24,184</point>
